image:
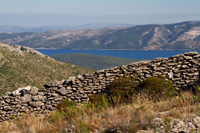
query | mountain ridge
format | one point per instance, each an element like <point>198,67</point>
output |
<point>184,35</point>
<point>19,29</point>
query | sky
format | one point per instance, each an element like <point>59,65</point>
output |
<point>76,12</point>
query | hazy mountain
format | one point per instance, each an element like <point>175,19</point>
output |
<point>52,39</point>
<point>185,35</point>
<point>10,29</point>
<point>22,66</point>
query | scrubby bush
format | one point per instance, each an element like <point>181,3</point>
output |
<point>156,88</point>
<point>196,88</point>
<point>68,109</point>
<point>62,106</point>
<point>123,89</point>
<point>120,91</point>
<point>99,101</point>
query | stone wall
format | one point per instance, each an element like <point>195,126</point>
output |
<point>182,69</point>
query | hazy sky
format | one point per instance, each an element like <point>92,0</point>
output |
<point>52,12</point>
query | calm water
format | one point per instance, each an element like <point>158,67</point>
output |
<point>131,54</point>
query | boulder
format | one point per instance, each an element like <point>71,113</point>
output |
<point>21,91</point>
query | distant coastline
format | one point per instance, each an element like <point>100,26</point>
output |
<point>122,49</point>
<point>45,48</point>
<point>130,54</point>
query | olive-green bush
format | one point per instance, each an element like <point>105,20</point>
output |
<point>157,88</point>
<point>123,89</point>
<point>99,101</point>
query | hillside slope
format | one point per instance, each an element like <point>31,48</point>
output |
<point>185,35</point>
<point>96,62</point>
<point>22,66</point>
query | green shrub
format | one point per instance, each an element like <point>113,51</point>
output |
<point>65,104</point>
<point>156,88</point>
<point>99,101</point>
<point>196,89</point>
<point>68,109</point>
<point>55,116</point>
<point>123,89</point>
<point>167,124</point>
<point>84,128</point>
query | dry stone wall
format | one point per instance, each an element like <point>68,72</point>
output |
<point>182,69</point>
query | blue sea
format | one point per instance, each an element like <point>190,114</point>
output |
<point>131,54</point>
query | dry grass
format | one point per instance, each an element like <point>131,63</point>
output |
<point>126,117</point>
<point>28,69</point>
<point>25,125</point>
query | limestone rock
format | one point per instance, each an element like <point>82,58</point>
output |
<point>21,91</point>
<point>34,91</point>
<point>39,103</point>
<point>26,98</point>
<point>38,97</point>
<point>62,91</point>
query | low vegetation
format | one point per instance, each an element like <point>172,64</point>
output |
<point>116,111</point>
<point>157,88</point>
<point>19,70</point>
<point>95,62</point>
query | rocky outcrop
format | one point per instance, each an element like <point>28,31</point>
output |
<point>182,69</point>
<point>21,49</point>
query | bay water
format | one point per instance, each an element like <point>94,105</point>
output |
<point>131,54</point>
